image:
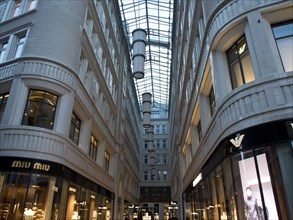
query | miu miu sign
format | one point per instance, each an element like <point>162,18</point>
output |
<point>30,165</point>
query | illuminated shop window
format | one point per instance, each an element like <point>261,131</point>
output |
<point>284,38</point>
<point>240,64</point>
<point>40,109</point>
<point>74,128</point>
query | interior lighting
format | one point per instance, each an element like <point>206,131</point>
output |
<point>138,57</point>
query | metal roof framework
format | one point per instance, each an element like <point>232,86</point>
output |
<point>155,17</point>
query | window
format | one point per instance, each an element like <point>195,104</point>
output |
<point>22,6</point>
<point>165,175</point>
<point>3,49</point>
<point>11,47</point>
<point>19,45</point>
<point>3,101</point>
<point>93,148</point>
<point>145,159</point>
<point>157,129</point>
<point>240,64</point>
<point>212,100</point>
<point>164,129</point>
<point>145,144</point>
<point>16,8</point>
<point>164,143</point>
<point>106,161</point>
<point>157,143</point>
<point>199,131</point>
<point>40,109</point>
<point>284,38</point>
<point>145,175</point>
<point>74,128</point>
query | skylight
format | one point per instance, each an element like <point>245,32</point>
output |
<point>154,16</point>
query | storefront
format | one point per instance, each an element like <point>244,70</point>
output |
<point>249,176</point>
<point>36,189</point>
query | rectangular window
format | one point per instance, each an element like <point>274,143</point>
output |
<point>212,101</point>
<point>165,175</point>
<point>93,148</point>
<point>165,159</point>
<point>199,131</point>
<point>74,128</point>
<point>19,45</point>
<point>240,64</point>
<point>3,101</point>
<point>164,129</point>
<point>106,161</point>
<point>146,174</point>
<point>145,159</point>
<point>40,109</point>
<point>16,8</point>
<point>3,49</point>
<point>157,143</point>
<point>145,144</point>
<point>32,5</point>
<point>284,38</point>
<point>164,143</point>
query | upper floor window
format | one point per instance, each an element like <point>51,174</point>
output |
<point>240,64</point>
<point>3,49</point>
<point>212,100</point>
<point>284,38</point>
<point>164,143</point>
<point>22,6</point>
<point>40,109</point>
<point>74,128</point>
<point>164,131</point>
<point>146,175</point>
<point>93,148</point>
<point>145,159</point>
<point>11,47</point>
<point>3,101</point>
<point>106,161</point>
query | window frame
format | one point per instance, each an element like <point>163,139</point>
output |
<point>238,59</point>
<point>3,102</point>
<point>39,109</point>
<point>73,126</point>
<point>93,149</point>
<point>107,157</point>
<point>278,38</point>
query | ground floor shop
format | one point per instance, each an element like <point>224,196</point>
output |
<point>249,176</point>
<point>35,189</point>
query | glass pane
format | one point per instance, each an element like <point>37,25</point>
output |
<point>283,30</point>
<point>247,68</point>
<point>220,193</point>
<point>232,54</point>
<point>285,46</point>
<point>214,205</point>
<point>236,75</point>
<point>247,186</point>
<point>12,195</point>
<point>267,187</point>
<point>229,189</point>
<point>280,162</point>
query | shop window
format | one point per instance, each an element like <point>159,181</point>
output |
<point>284,38</point>
<point>23,195</point>
<point>40,109</point>
<point>74,128</point>
<point>3,102</point>
<point>212,100</point>
<point>106,161</point>
<point>93,148</point>
<point>241,70</point>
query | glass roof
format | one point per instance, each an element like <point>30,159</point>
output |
<point>155,17</point>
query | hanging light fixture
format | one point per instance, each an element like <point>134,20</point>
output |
<point>146,109</point>
<point>138,57</point>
